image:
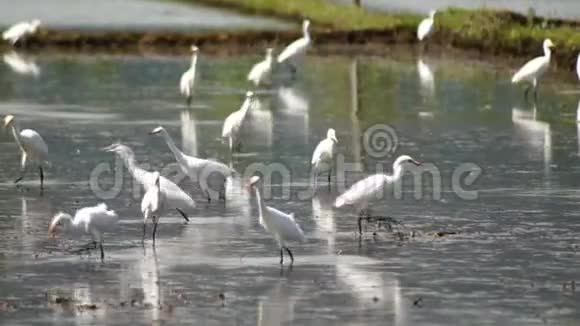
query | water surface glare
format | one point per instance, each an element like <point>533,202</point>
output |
<point>511,261</point>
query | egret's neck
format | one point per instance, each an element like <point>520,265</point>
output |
<point>178,154</point>
<point>193,60</point>
<point>547,52</point>
<point>397,172</point>
<point>261,204</point>
<point>305,32</point>
<point>246,106</point>
<point>67,221</point>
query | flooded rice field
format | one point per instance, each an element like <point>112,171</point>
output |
<point>489,235</point>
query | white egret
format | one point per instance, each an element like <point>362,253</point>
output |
<point>21,65</point>
<point>323,156</point>
<point>578,66</point>
<point>235,121</point>
<point>262,70</point>
<point>297,48</point>
<point>32,147</point>
<point>175,197</point>
<point>93,221</point>
<point>152,204</point>
<point>20,31</point>
<point>207,172</point>
<point>426,26</point>
<point>534,69</point>
<point>281,225</point>
<point>372,187</point>
<point>187,80</point>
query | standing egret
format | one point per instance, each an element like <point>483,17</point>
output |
<point>426,26</point>
<point>206,172</point>
<point>20,31</point>
<point>175,197</point>
<point>281,225</point>
<point>322,158</point>
<point>31,145</point>
<point>262,70</point>
<point>578,66</point>
<point>235,121</point>
<point>297,48</point>
<point>372,187</point>
<point>534,69</point>
<point>152,204</point>
<point>188,78</point>
<point>93,220</point>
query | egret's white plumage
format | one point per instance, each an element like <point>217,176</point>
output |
<point>207,172</point>
<point>535,68</point>
<point>21,65</point>
<point>175,197</point>
<point>281,225</point>
<point>20,31</point>
<point>187,80</point>
<point>426,26</point>
<point>323,156</point>
<point>297,48</point>
<point>152,204</point>
<point>262,70</point>
<point>578,66</point>
<point>94,221</point>
<point>235,121</point>
<point>32,147</point>
<point>372,187</point>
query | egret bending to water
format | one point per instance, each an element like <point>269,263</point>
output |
<point>235,121</point>
<point>206,172</point>
<point>188,78</point>
<point>322,158</point>
<point>20,31</point>
<point>262,70</point>
<point>372,187</point>
<point>32,147</point>
<point>297,48</point>
<point>534,69</point>
<point>426,26</point>
<point>93,221</point>
<point>152,204</point>
<point>175,198</point>
<point>282,226</point>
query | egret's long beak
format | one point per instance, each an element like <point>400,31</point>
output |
<point>417,163</point>
<point>108,148</point>
<point>154,132</point>
<point>334,139</point>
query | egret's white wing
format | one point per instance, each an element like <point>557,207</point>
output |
<point>296,48</point>
<point>363,191</point>
<point>323,152</point>
<point>532,69</point>
<point>186,82</point>
<point>34,145</point>
<point>258,71</point>
<point>14,32</point>
<point>424,28</point>
<point>97,217</point>
<point>283,224</point>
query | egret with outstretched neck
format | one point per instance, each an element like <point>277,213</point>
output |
<point>372,187</point>
<point>93,221</point>
<point>200,170</point>
<point>235,121</point>
<point>32,147</point>
<point>534,69</point>
<point>281,225</point>
<point>20,31</point>
<point>262,70</point>
<point>297,48</point>
<point>323,156</point>
<point>187,80</point>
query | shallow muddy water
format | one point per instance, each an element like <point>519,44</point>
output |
<point>511,261</point>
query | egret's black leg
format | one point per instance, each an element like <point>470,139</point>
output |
<point>535,95</point>
<point>360,218</point>
<point>41,177</point>
<point>222,195</point>
<point>208,196</point>
<point>188,100</point>
<point>102,252</point>
<point>19,179</point>
<point>281,256</point>
<point>526,92</point>
<point>183,214</point>
<point>291,256</point>
<point>154,228</point>
<point>144,230</point>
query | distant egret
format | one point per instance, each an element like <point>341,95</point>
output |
<point>297,48</point>
<point>262,70</point>
<point>175,197</point>
<point>323,156</point>
<point>93,221</point>
<point>578,66</point>
<point>152,204</point>
<point>372,187</point>
<point>426,26</point>
<point>206,172</point>
<point>20,31</point>
<point>281,225</point>
<point>234,123</point>
<point>188,78</point>
<point>534,69</point>
<point>32,147</point>
<point>21,65</point>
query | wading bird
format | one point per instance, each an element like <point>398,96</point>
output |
<point>426,26</point>
<point>262,70</point>
<point>93,221</point>
<point>234,123</point>
<point>578,67</point>
<point>187,80</point>
<point>32,147</point>
<point>175,197</point>
<point>207,172</point>
<point>281,225</point>
<point>323,156</point>
<point>372,187</point>
<point>152,204</point>
<point>20,31</point>
<point>297,48</point>
<point>534,69</point>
